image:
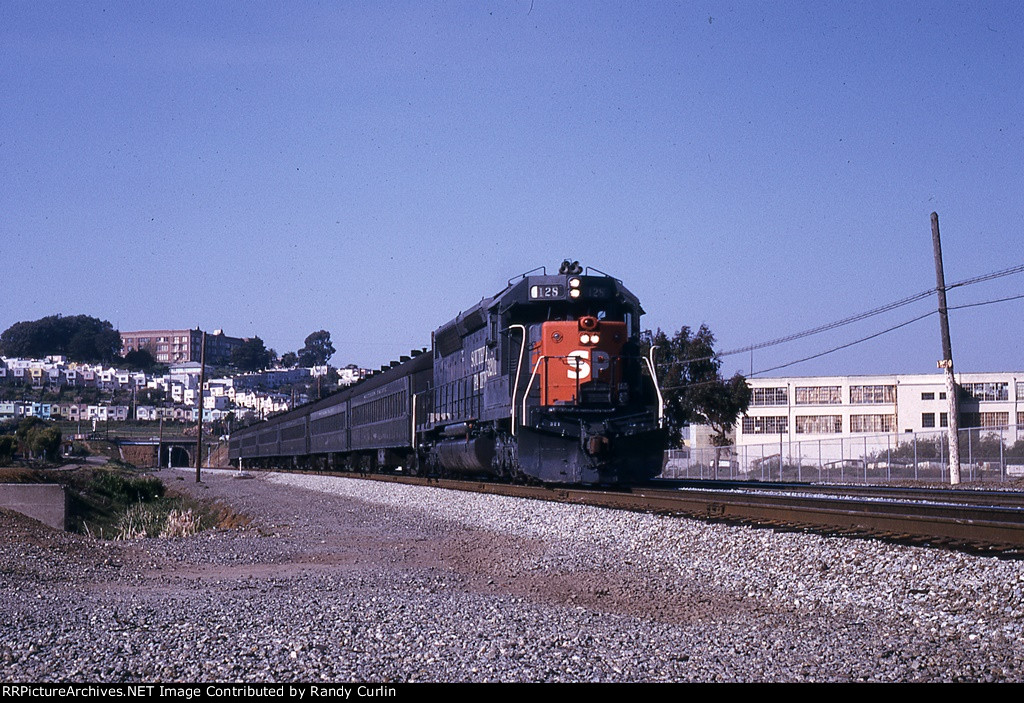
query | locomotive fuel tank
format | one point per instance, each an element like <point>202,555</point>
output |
<point>467,456</point>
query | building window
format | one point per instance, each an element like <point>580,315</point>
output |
<point>766,425</point>
<point>968,420</point>
<point>943,419</point>
<point>986,391</point>
<point>819,424</point>
<point>868,395</point>
<point>927,419</point>
<point>769,396</point>
<point>819,395</point>
<point>872,423</point>
<point>927,396</point>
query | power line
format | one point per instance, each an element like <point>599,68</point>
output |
<point>886,331</point>
<point>985,302</point>
<point>876,311</point>
<point>832,325</point>
<point>987,276</point>
<point>856,318</point>
<point>856,341</point>
<point>848,344</point>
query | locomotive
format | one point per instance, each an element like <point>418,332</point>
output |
<point>543,381</point>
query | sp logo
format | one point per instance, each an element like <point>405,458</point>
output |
<point>579,364</point>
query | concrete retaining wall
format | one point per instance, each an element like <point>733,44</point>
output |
<point>45,502</point>
<point>143,455</point>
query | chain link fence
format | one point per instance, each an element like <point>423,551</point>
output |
<point>986,454</point>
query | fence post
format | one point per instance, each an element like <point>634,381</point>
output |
<point>970,454</point>
<point>888,458</point>
<point>942,460</point>
<point>1002,458</point>
<point>865,458</point>
<point>842,462</point>
<point>915,456</point>
<point>781,436</point>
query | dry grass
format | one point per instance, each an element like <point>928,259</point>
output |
<point>226,518</point>
<point>180,523</point>
<point>18,474</point>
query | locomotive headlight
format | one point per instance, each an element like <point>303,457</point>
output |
<point>574,283</point>
<point>584,339</point>
<point>594,339</point>
<point>574,292</point>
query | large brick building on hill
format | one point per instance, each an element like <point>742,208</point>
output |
<point>178,346</point>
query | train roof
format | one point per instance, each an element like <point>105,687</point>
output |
<point>418,360</point>
<point>531,288</point>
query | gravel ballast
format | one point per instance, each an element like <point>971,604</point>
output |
<point>341,580</point>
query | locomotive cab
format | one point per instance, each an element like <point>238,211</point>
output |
<point>543,381</point>
<point>585,405</point>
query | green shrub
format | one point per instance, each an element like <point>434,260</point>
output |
<point>8,445</point>
<point>157,520</point>
<point>128,489</point>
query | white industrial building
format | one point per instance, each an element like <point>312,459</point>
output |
<point>827,406</point>
<point>830,426</point>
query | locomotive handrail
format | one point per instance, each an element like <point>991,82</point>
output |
<point>654,379</point>
<point>519,366</point>
<point>606,275</point>
<point>413,419</point>
<point>524,275</point>
<point>545,358</point>
<point>530,384</point>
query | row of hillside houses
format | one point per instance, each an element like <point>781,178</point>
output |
<point>82,412</point>
<point>54,372</point>
<point>180,384</point>
<point>247,396</point>
<point>17,409</point>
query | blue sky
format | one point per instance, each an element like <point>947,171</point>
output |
<point>373,168</point>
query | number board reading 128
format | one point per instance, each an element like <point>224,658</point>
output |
<point>547,292</point>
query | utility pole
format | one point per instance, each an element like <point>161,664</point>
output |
<point>199,433</point>
<point>946,363</point>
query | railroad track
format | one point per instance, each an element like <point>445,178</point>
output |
<point>968,496</point>
<point>990,522</point>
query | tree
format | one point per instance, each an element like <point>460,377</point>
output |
<point>39,437</point>
<point>691,383</point>
<point>139,360</point>
<point>151,396</point>
<point>318,349</point>
<point>8,445</point>
<point>79,337</point>
<point>289,360</point>
<point>45,443</point>
<point>251,355</point>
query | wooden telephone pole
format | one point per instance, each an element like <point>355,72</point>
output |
<point>199,433</point>
<point>946,363</point>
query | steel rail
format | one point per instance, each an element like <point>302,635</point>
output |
<point>939,495</point>
<point>973,527</point>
